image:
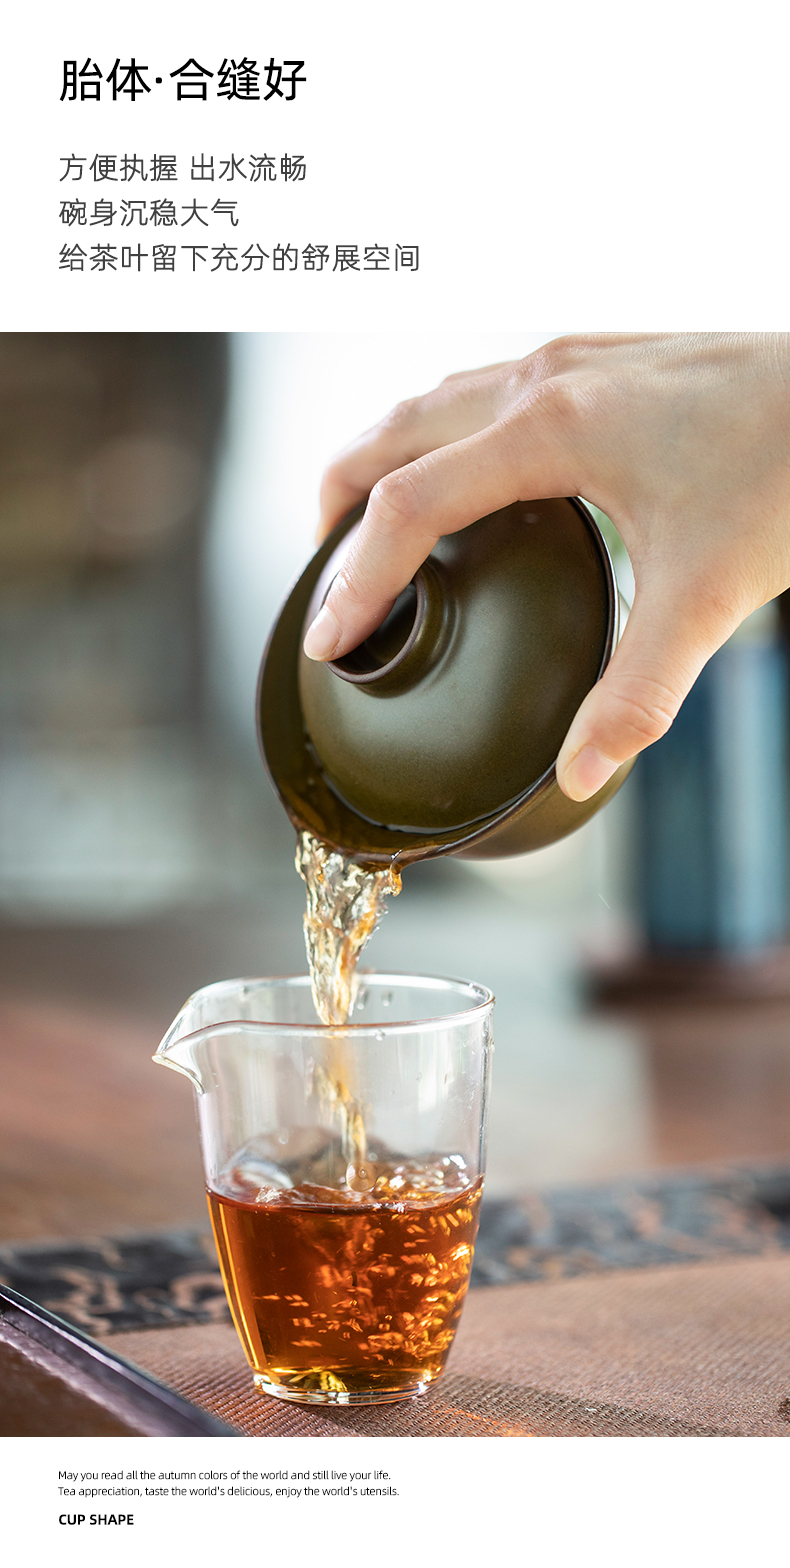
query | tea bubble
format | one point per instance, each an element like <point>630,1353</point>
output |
<point>360,1178</point>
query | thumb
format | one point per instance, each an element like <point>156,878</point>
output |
<point>662,651</point>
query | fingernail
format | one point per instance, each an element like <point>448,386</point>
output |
<point>587,772</point>
<point>323,636</point>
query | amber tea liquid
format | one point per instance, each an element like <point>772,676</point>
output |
<point>338,1293</point>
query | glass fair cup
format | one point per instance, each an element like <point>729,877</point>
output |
<point>344,1169</point>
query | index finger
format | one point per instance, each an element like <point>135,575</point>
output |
<point>462,405</point>
<point>413,507</point>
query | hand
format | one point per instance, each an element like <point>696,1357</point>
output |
<point>682,440</point>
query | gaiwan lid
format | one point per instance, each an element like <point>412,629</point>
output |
<point>456,707</point>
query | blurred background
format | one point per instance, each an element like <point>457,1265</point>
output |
<point>157,495</point>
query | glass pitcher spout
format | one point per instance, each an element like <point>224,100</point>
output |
<point>218,1012</point>
<point>179,1053</point>
<point>192,1053</point>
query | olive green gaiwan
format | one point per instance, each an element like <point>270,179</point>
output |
<point>439,734</point>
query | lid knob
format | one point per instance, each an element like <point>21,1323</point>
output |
<point>405,646</point>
